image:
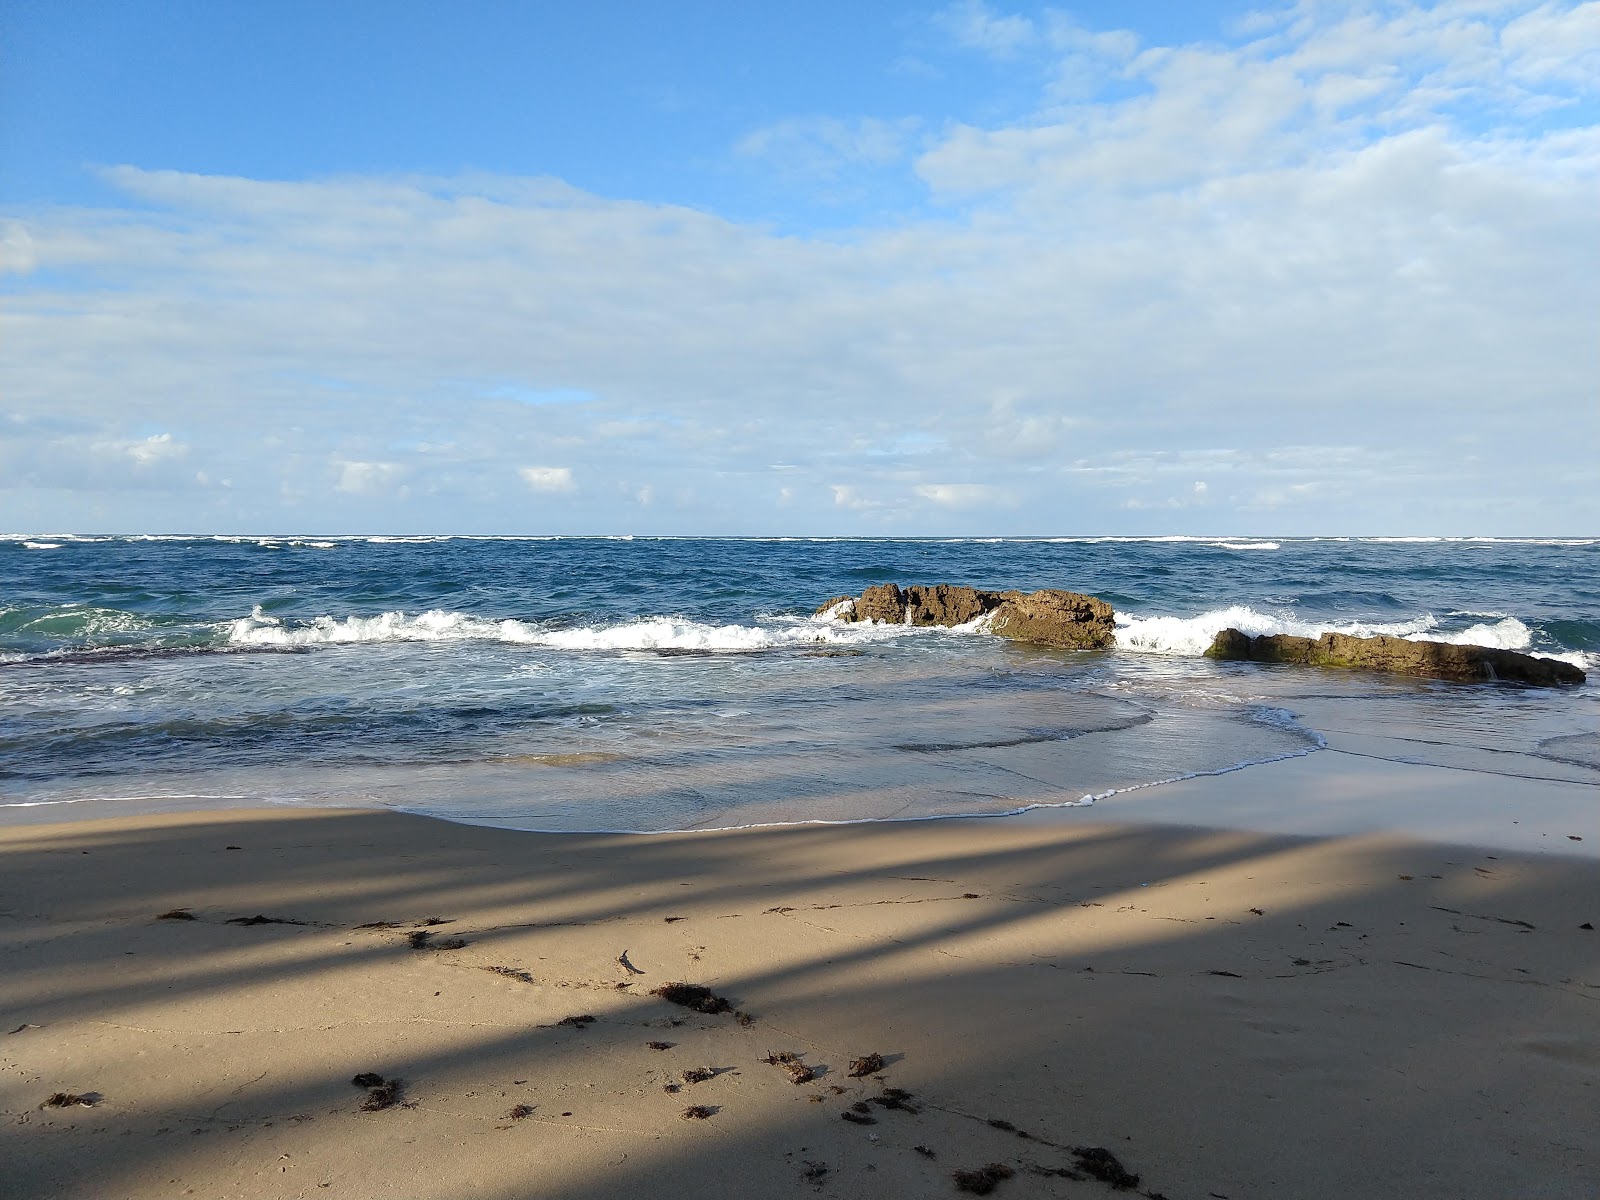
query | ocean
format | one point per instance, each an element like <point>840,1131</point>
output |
<point>652,684</point>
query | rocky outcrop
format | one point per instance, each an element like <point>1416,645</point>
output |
<point>1433,660</point>
<point>1066,620</point>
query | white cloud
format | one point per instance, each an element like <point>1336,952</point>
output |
<point>827,146</point>
<point>552,479</point>
<point>366,478</point>
<point>147,451</point>
<point>974,24</point>
<point>1337,246</point>
<point>961,495</point>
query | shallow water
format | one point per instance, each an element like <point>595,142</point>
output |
<point>681,683</point>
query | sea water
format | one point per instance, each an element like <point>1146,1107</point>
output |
<point>678,683</point>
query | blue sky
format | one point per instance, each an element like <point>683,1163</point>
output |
<point>899,269</point>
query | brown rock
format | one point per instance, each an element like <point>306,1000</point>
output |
<point>1432,660</point>
<point>1066,620</point>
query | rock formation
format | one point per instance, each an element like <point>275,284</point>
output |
<point>1066,620</point>
<point>1433,660</point>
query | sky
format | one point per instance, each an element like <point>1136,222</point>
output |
<point>969,269</point>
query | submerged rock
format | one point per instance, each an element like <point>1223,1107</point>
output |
<point>1066,620</point>
<point>1432,660</point>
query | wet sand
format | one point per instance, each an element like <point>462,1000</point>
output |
<point>1227,1013</point>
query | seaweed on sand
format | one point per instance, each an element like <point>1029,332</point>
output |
<point>798,1071</point>
<point>698,1112</point>
<point>70,1100</point>
<point>867,1064</point>
<point>982,1180</point>
<point>381,1095</point>
<point>693,995</point>
<point>1105,1166</point>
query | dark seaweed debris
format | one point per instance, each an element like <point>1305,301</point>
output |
<point>856,1118</point>
<point>520,1112</point>
<point>698,1075</point>
<point>698,1112</point>
<point>867,1064</point>
<point>897,1098</point>
<point>367,1079</point>
<point>579,1022</point>
<point>661,1045</point>
<point>421,939</point>
<point>790,1062</point>
<point>177,914</point>
<point>258,919</point>
<point>692,995</point>
<point>982,1181</point>
<point>381,1095</point>
<point>70,1100</point>
<point>512,973</point>
<point>1105,1166</point>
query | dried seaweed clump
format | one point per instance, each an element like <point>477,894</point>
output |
<point>982,1181</point>
<point>520,1112</point>
<point>519,975</point>
<point>1105,1166</point>
<point>693,995</point>
<point>68,1100</point>
<point>899,1098</point>
<point>578,1022</point>
<point>698,1112</point>
<point>422,939</point>
<point>381,1093</point>
<point>661,1045</point>
<point>867,1064</point>
<point>177,914</point>
<point>698,1074</point>
<point>790,1062</point>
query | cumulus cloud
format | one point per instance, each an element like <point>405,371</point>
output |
<point>367,478</point>
<point>550,479</point>
<point>976,25</point>
<point>1348,245</point>
<point>960,495</point>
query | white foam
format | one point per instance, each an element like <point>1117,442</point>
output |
<point>41,545</point>
<point>650,633</point>
<point>1246,545</point>
<point>1192,635</point>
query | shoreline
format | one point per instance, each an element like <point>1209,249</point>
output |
<point>1345,786</point>
<point>1247,1013</point>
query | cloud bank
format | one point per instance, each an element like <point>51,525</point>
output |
<point>1332,272</point>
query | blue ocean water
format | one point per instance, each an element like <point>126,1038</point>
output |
<point>671,683</point>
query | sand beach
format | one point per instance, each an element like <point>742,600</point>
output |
<point>1227,1010</point>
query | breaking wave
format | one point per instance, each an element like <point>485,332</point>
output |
<point>1193,635</point>
<point>649,633</point>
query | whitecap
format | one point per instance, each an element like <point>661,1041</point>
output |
<point>649,633</point>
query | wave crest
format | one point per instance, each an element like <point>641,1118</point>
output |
<point>1193,635</point>
<point>649,633</point>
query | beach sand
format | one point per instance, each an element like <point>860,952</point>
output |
<point>1230,1013</point>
